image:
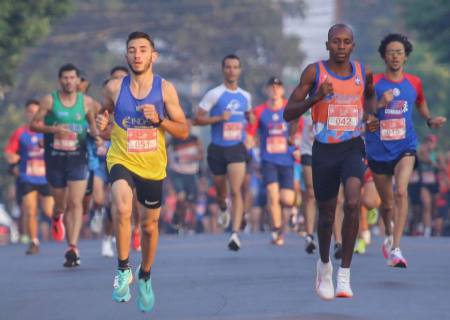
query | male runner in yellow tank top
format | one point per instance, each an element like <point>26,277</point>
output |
<point>145,106</point>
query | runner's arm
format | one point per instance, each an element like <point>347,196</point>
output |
<point>370,103</point>
<point>37,123</point>
<point>90,110</point>
<point>12,148</point>
<point>176,123</point>
<point>202,118</point>
<point>298,104</point>
<point>432,122</point>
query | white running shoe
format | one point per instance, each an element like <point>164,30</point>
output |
<point>224,219</point>
<point>343,288</point>
<point>324,280</point>
<point>107,247</point>
<point>396,259</point>
<point>387,246</point>
<point>96,223</point>
<point>234,243</point>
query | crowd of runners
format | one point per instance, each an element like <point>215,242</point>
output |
<point>341,148</point>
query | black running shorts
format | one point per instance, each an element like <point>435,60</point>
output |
<point>333,163</point>
<point>149,192</point>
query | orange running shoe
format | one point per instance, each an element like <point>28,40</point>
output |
<point>136,240</point>
<point>58,229</point>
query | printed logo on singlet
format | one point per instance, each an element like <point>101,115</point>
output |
<point>233,107</point>
<point>135,122</point>
<point>357,81</point>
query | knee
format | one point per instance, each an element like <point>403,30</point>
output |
<point>149,226</point>
<point>326,220</point>
<point>310,192</point>
<point>352,205</point>
<point>401,194</point>
<point>123,210</point>
<point>387,205</point>
<point>235,193</point>
<point>73,204</point>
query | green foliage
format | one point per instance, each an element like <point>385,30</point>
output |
<point>427,25</point>
<point>431,21</point>
<point>22,23</point>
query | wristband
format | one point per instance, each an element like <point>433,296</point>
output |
<point>428,122</point>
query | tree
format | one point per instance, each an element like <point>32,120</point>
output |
<point>22,23</point>
<point>431,21</point>
<point>191,36</point>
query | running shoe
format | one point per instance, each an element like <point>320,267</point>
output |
<point>387,246</point>
<point>146,297</point>
<point>72,258</point>
<point>33,248</point>
<point>122,281</point>
<point>58,229</point>
<point>310,244</point>
<point>96,223</point>
<point>343,288</point>
<point>224,219</point>
<point>360,246</point>
<point>338,251</point>
<point>277,238</point>
<point>324,280</point>
<point>107,247</point>
<point>396,259</point>
<point>372,216</point>
<point>136,240</point>
<point>234,244</point>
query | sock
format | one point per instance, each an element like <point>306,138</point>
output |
<point>144,274</point>
<point>123,264</point>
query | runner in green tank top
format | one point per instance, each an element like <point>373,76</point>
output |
<point>66,117</point>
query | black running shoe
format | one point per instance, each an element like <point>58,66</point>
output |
<point>310,244</point>
<point>72,258</point>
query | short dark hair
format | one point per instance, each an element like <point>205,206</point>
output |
<point>68,67</point>
<point>140,35</point>
<point>118,68</point>
<point>340,26</point>
<point>230,56</point>
<point>30,102</point>
<point>395,37</point>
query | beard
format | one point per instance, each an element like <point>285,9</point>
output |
<point>139,72</point>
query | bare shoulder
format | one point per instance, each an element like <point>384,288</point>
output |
<point>46,102</point>
<point>113,86</point>
<point>168,86</point>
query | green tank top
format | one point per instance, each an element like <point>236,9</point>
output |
<point>75,119</point>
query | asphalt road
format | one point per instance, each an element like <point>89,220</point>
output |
<point>196,278</point>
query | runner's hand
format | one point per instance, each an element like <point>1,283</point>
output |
<point>437,122</point>
<point>325,89</point>
<point>372,123</point>
<point>102,120</point>
<point>226,116</point>
<point>149,111</point>
<point>387,97</point>
<point>61,129</point>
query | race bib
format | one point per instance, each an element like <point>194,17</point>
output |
<point>276,144</point>
<point>142,140</point>
<point>232,131</point>
<point>36,168</point>
<point>428,177</point>
<point>65,141</point>
<point>342,117</point>
<point>392,129</point>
